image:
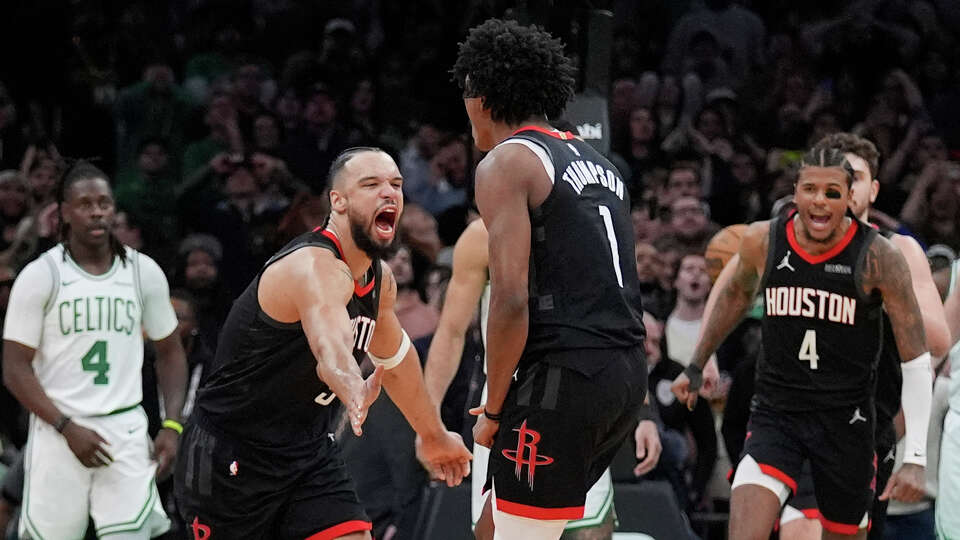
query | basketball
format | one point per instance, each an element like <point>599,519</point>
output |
<point>721,248</point>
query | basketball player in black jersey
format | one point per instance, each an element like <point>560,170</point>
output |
<point>566,372</point>
<point>259,458</point>
<point>906,484</point>
<point>824,276</point>
<point>799,520</point>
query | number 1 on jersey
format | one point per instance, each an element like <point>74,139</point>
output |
<point>808,348</point>
<point>96,361</point>
<point>612,237</point>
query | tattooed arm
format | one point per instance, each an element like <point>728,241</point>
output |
<point>735,296</point>
<point>884,269</point>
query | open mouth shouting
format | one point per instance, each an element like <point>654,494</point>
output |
<point>819,222</point>
<point>385,221</point>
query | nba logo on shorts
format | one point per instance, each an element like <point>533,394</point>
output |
<point>532,459</point>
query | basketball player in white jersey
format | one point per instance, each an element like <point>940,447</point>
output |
<point>470,284</point>
<point>72,354</point>
<point>948,498</point>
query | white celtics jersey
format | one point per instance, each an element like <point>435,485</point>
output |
<point>954,353</point>
<point>88,329</point>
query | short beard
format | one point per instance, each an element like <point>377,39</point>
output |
<point>368,245</point>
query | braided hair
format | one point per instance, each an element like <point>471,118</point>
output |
<point>79,171</point>
<point>824,156</point>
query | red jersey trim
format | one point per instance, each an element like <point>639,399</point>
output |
<point>536,512</point>
<point>562,135</point>
<point>337,531</point>
<point>829,254</point>
<point>357,289</point>
<point>770,470</point>
<point>841,528</point>
<point>811,513</point>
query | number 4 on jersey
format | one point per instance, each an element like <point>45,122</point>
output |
<point>96,361</point>
<point>808,348</point>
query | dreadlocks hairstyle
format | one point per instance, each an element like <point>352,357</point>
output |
<point>827,157</point>
<point>849,143</point>
<point>82,170</point>
<point>520,71</point>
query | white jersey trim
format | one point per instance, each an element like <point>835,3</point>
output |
<point>537,151</point>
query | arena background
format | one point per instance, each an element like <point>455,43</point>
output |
<point>217,121</point>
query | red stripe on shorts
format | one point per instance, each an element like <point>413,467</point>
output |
<point>337,531</point>
<point>536,512</point>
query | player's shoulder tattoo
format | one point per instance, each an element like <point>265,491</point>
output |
<point>884,267</point>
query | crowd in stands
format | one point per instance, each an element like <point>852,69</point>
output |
<point>218,120</point>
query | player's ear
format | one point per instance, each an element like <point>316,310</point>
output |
<point>338,202</point>
<point>874,189</point>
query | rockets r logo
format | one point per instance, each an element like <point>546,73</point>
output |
<point>532,459</point>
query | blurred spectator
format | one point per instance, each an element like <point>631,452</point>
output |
<point>205,70</point>
<point>444,187</point>
<point>363,100</point>
<point>416,157</point>
<point>435,285</point>
<point>127,230</point>
<point>251,88</point>
<point>310,150</point>
<point>678,421</point>
<point>418,318</point>
<point>153,109</point>
<point>933,208</point>
<point>19,233</point>
<point>12,144</point>
<point>43,174</point>
<point>224,134</point>
<point>289,108</point>
<point>690,223</point>
<point>683,181</point>
<point>267,133</point>
<point>198,272</point>
<point>642,149</point>
<point>645,227</point>
<point>682,329</point>
<point>148,191</point>
<point>13,419</point>
<point>742,33</point>
<point>418,230</point>
<point>194,346</point>
<point>652,297</point>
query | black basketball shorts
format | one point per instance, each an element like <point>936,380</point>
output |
<point>560,431</point>
<point>839,446</point>
<point>224,489</point>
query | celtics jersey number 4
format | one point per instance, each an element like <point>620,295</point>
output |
<point>88,329</point>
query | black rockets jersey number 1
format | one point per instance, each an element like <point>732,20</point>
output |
<point>584,291</point>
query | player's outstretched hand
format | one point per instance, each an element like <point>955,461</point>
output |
<point>906,484</point>
<point>648,447</point>
<point>681,389</point>
<point>89,447</point>
<point>485,430</point>
<point>165,452</point>
<point>357,395</point>
<point>445,457</point>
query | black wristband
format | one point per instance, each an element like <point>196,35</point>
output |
<point>695,374</point>
<point>491,416</point>
<point>61,423</point>
<point>645,413</point>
